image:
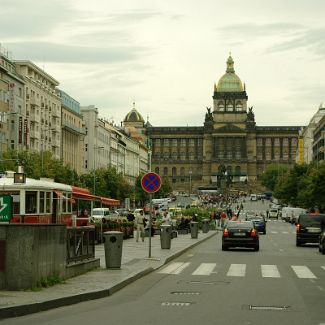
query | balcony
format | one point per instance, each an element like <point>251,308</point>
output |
<point>33,134</point>
<point>55,143</point>
<point>72,128</point>
<point>56,113</point>
<point>33,101</point>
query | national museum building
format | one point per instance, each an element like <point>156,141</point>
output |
<point>229,142</point>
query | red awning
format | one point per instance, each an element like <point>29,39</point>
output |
<point>108,201</point>
<point>84,194</point>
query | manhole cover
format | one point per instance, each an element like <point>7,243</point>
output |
<point>185,293</point>
<point>176,304</point>
<point>252,307</point>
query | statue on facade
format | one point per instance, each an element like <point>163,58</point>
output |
<point>208,114</point>
<point>250,114</point>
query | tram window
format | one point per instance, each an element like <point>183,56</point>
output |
<point>48,202</point>
<point>41,202</point>
<point>64,203</point>
<point>31,202</point>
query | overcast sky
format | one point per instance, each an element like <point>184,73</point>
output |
<point>166,55</point>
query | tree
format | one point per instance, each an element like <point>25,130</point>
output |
<point>272,174</point>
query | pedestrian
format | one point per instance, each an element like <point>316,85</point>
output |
<point>217,218</point>
<point>267,214</point>
<point>140,224</point>
<point>166,219</point>
<point>195,217</point>
<point>223,217</point>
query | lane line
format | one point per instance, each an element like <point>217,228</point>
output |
<point>237,270</point>
<point>205,269</point>
<point>323,267</point>
<point>270,271</point>
<point>274,232</point>
<point>303,272</point>
<point>174,268</point>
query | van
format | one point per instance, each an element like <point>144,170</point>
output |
<point>290,214</point>
<point>103,213</point>
<point>253,197</point>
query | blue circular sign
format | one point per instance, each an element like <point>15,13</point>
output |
<point>151,182</point>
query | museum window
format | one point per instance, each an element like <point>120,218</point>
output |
<point>174,172</point>
<point>157,170</point>
<point>165,171</point>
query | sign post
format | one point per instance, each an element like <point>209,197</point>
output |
<point>150,183</point>
<point>5,208</point>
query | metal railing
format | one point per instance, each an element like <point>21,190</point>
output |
<point>80,244</point>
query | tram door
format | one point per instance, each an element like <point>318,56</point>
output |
<point>55,208</point>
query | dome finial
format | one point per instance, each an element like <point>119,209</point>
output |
<point>133,104</point>
<point>230,64</point>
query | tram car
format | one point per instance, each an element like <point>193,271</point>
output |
<point>37,201</point>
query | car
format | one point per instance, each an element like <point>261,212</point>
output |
<point>308,228</point>
<point>321,246</point>
<point>240,234</point>
<point>274,213</point>
<point>259,223</point>
<point>253,197</point>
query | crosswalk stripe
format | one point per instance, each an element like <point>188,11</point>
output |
<point>205,269</point>
<point>323,267</point>
<point>285,232</point>
<point>274,232</point>
<point>303,272</point>
<point>237,270</point>
<point>174,268</point>
<point>270,271</point>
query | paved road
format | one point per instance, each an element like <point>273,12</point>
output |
<point>280,284</point>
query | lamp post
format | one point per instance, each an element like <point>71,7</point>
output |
<point>190,190</point>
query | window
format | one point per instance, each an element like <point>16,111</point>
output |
<point>31,202</point>
<point>48,202</point>
<point>165,171</point>
<point>157,170</point>
<point>41,202</point>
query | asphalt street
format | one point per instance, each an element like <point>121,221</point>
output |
<point>280,284</point>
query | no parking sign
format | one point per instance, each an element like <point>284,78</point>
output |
<point>150,182</point>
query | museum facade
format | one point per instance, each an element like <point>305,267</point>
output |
<point>229,144</point>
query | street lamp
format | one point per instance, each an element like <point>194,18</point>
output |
<point>190,173</point>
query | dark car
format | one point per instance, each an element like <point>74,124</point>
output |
<point>322,242</point>
<point>240,234</point>
<point>309,228</point>
<point>259,223</point>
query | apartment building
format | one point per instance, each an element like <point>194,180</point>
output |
<point>13,120</point>
<point>73,133</point>
<point>43,109</point>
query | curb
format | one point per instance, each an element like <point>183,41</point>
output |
<point>22,310</point>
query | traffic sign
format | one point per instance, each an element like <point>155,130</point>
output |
<point>5,208</point>
<point>151,182</point>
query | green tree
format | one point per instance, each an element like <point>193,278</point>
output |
<point>272,174</point>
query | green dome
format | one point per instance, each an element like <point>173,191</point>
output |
<point>133,116</point>
<point>230,82</point>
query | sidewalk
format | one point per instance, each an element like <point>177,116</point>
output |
<point>100,282</point>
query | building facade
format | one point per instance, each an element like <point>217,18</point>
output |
<point>73,133</point>
<point>13,119</point>
<point>43,109</point>
<point>228,144</point>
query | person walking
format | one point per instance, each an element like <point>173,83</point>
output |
<point>223,217</point>
<point>217,219</point>
<point>166,219</point>
<point>139,223</point>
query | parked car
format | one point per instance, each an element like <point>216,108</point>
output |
<point>309,228</point>
<point>240,234</point>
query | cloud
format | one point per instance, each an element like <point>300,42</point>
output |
<point>50,52</point>
<point>312,39</point>
<point>20,18</point>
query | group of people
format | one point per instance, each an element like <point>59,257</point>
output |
<point>141,221</point>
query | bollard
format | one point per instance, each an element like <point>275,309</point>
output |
<point>194,229</point>
<point>165,236</point>
<point>205,226</point>
<point>113,249</point>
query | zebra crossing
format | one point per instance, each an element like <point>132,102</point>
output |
<point>240,270</point>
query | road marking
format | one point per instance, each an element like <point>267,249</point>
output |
<point>274,232</point>
<point>205,269</point>
<point>303,272</point>
<point>323,267</point>
<point>270,271</point>
<point>237,270</point>
<point>285,232</point>
<point>174,268</point>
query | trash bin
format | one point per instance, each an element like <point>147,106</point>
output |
<point>165,236</point>
<point>194,229</point>
<point>205,225</point>
<point>113,249</point>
